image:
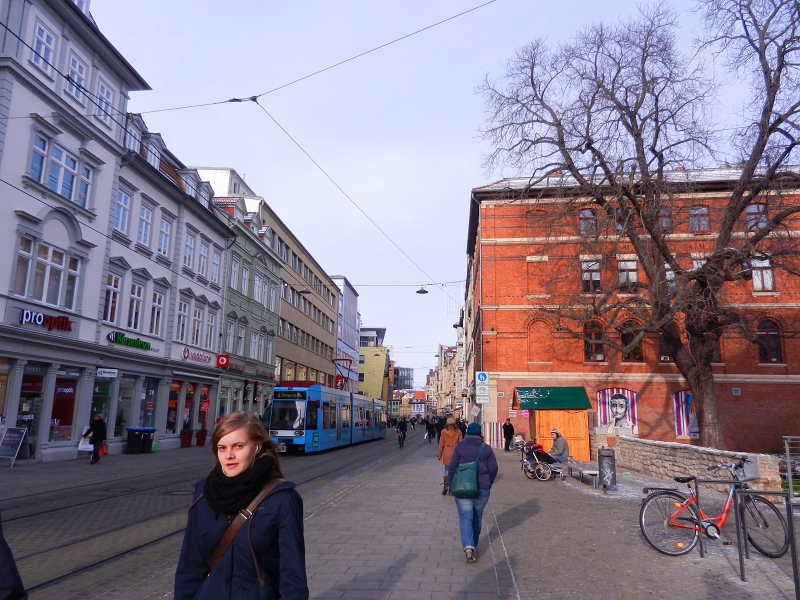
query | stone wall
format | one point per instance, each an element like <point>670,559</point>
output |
<point>672,459</point>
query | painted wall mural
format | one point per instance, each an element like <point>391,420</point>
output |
<point>616,409</point>
<point>685,414</point>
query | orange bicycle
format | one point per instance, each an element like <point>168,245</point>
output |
<point>671,520</point>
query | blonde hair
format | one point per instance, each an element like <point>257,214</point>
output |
<point>255,431</point>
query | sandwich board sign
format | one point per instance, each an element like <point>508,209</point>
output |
<point>11,442</point>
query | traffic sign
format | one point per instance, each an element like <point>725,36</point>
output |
<point>481,399</point>
<point>482,389</point>
<point>482,377</point>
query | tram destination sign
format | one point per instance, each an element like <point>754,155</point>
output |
<point>11,442</point>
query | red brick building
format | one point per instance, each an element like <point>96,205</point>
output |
<point>528,256</point>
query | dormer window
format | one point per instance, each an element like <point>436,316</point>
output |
<point>202,197</point>
<point>153,155</point>
<point>133,137</point>
<point>83,6</point>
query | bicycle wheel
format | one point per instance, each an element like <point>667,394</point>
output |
<point>655,516</point>
<point>543,472</point>
<point>766,527</point>
<point>528,471</point>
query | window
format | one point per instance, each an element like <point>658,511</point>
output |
<point>135,307</point>
<point>756,216</point>
<point>53,270</point>
<point>588,221</point>
<point>245,278</point>
<point>49,274</point>
<point>164,231</point>
<point>216,258</point>
<point>665,218</point>
<point>105,100</point>
<point>769,342</point>
<point>283,290</point>
<point>153,155</point>
<point>229,336</point>
<point>253,345</point>
<point>24,256</point>
<point>83,186</point>
<point>669,275</point>
<point>627,335</point>
<point>272,298</point>
<point>197,323</point>
<point>202,261</point>
<point>123,209</point>
<point>156,310</point>
<point>234,273</point>
<point>590,277</point>
<point>44,44</point>
<point>77,77</point>
<point>240,341</point>
<point>592,342</point>
<point>268,353</point>
<point>763,277</point>
<point>294,261</point>
<point>360,377</point>
<point>63,173</point>
<point>183,316</point>
<point>132,138</point>
<point>145,223</point>
<point>628,275</point>
<point>188,251</point>
<point>38,158</point>
<point>211,327</point>
<point>663,349</point>
<point>257,289</point>
<point>113,283</point>
<point>698,218</point>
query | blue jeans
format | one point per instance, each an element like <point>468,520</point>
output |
<point>561,459</point>
<point>470,513</point>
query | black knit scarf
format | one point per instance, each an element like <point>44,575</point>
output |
<point>229,495</point>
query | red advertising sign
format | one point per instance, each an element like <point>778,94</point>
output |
<point>223,360</point>
<point>339,382</point>
<point>204,406</point>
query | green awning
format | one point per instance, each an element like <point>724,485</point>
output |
<point>552,398</point>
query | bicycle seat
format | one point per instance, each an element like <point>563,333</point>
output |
<point>684,479</point>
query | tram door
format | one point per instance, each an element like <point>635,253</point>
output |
<point>338,424</point>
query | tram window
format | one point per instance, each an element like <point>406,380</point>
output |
<point>346,416</point>
<point>333,417</point>
<point>311,414</point>
<point>326,415</point>
<point>287,414</point>
<point>368,418</point>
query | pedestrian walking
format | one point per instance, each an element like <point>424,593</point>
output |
<point>470,510</point>
<point>430,427</point>
<point>265,562</point>
<point>11,587</point>
<point>508,434</point>
<point>440,425</point>
<point>96,433</point>
<point>448,440</point>
<point>462,427</point>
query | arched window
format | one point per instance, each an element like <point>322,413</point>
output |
<point>588,221</point>
<point>699,219</point>
<point>769,342</point>
<point>627,335</point>
<point>592,344</point>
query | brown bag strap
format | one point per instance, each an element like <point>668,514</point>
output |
<point>240,520</point>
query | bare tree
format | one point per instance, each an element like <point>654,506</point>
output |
<point>618,117</point>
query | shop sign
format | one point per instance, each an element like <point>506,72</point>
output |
<point>223,361</point>
<point>25,418</point>
<point>204,406</point>
<point>188,354</point>
<point>512,414</point>
<point>237,367</point>
<point>526,414</point>
<point>267,374</point>
<point>55,421</point>
<point>43,320</point>
<point>108,373</point>
<point>117,337</point>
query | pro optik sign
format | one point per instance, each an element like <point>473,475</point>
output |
<point>49,321</point>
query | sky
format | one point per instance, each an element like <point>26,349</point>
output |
<point>396,129</point>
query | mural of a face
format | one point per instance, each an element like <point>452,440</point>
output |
<point>618,405</point>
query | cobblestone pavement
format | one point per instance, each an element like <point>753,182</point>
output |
<point>384,531</point>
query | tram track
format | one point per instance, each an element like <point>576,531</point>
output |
<point>378,461</point>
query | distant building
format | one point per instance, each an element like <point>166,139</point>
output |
<point>403,378</point>
<point>374,364</point>
<point>348,337</point>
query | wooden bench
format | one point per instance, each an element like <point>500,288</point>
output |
<point>580,470</point>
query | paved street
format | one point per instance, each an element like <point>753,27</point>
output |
<point>380,528</point>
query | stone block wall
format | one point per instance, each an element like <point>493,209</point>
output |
<point>672,459</point>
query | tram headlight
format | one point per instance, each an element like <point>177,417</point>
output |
<point>300,433</point>
<point>273,432</point>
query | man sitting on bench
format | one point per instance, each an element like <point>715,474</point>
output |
<point>560,449</point>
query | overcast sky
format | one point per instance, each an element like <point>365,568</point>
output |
<point>396,129</point>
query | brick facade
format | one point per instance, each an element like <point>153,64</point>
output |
<point>525,258</point>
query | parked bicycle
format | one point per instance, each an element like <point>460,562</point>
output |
<point>671,520</point>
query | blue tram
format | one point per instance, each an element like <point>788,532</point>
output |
<point>308,417</point>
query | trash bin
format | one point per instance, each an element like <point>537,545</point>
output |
<point>607,465</point>
<point>135,435</point>
<point>148,433</point>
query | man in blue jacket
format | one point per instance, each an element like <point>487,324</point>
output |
<point>10,583</point>
<point>470,510</point>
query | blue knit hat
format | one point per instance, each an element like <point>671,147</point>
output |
<point>473,429</point>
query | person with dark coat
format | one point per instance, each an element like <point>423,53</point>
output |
<point>470,510</point>
<point>266,559</point>
<point>430,427</point>
<point>97,432</point>
<point>11,587</point>
<point>508,434</point>
<point>440,425</point>
<point>462,427</point>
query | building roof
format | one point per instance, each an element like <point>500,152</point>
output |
<point>226,200</point>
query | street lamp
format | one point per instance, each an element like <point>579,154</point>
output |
<point>422,290</point>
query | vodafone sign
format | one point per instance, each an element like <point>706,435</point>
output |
<point>197,356</point>
<point>223,361</point>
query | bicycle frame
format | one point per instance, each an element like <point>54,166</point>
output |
<point>717,521</point>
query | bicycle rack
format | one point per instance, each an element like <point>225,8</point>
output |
<point>792,445</point>
<point>741,532</point>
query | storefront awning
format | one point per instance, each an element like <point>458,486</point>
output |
<point>552,398</point>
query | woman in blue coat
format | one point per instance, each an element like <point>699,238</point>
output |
<point>266,560</point>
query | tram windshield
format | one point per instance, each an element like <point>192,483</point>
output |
<point>288,415</point>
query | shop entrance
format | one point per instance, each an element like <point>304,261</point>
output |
<point>63,413</point>
<point>30,406</point>
<point>172,405</point>
<point>125,405</point>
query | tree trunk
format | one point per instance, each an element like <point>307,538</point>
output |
<point>706,406</point>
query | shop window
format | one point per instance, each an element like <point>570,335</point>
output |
<point>101,398</point>
<point>29,408</point>
<point>125,406</point>
<point>769,342</point>
<point>172,405</point>
<point>188,406</point>
<point>593,350</point>
<point>205,394</point>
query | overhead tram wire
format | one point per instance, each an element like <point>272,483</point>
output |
<point>254,99</point>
